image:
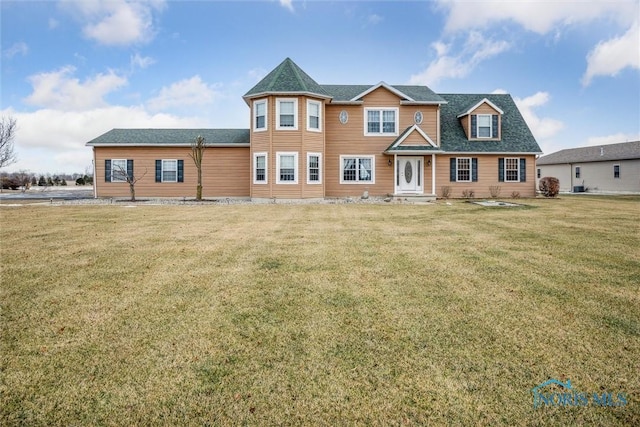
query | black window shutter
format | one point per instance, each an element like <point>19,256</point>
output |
<point>523,170</point>
<point>158,170</point>
<point>474,169</point>
<point>180,170</point>
<point>494,126</point>
<point>452,170</point>
<point>107,170</point>
<point>130,169</point>
<point>501,169</point>
<point>474,126</point>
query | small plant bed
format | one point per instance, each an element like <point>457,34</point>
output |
<point>496,203</point>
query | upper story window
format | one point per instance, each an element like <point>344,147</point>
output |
<point>286,114</point>
<point>260,115</point>
<point>381,121</point>
<point>313,115</point>
<point>484,126</point>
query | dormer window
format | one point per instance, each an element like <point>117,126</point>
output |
<point>484,126</point>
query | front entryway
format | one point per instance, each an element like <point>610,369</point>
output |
<point>409,175</point>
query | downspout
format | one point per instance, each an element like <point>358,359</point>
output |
<point>433,174</point>
<point>95,178</point>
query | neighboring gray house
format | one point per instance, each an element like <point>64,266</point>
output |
<point>613,168</point>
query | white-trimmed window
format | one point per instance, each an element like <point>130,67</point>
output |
<point>380,121</point>
<point>287,168</point>
<point>616,171</point>
<point>484,126</point>
<point>512,170</point>
<point>169,170</point>
<point>463,168</point>
<point>287,113</point>
<point>260,115</point>
<point>314,118</point>
<point>118,170</point>
<point>259,168</point>
<point>314,168</point>
<point>357,169</point>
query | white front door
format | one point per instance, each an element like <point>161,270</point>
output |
<point>409,175</point>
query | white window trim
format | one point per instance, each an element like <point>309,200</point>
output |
<point>381,110</point>
<point>162,169</point>
<point>517,159</point>
<point>266,168</point>
<point>319,181</point>
<point>295,166</point>
<point>619,171</point>
<point>319,128</point>
<point>113,179</point>
<point>478,126</point>
<point>358,156</point>
<point>266,115</point>
<point>295,113</point>
<point>458,169</point>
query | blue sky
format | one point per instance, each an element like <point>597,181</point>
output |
<point>74,69</point>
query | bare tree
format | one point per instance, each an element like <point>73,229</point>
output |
<point>131,179</point>
<point>23,178</point>
<point>197,152</point>
<point>7,133</point>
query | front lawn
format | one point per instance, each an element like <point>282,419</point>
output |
<point>322,314</point>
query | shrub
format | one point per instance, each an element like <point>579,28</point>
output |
<point>80,181</point>
<point>10,183</point>
<point>494,190</point>
<point>515,195</point>
<point>549,186</point>
<point>468,194</point>
<point>445,191</point>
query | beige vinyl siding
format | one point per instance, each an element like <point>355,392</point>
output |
<point>225,172</point>
<point>299,141</point>
<point>429,123</point>
<point>349,139</point>
<point>487,176</point>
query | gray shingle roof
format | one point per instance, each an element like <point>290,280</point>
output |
<point>516,135</point>
<point>597,153</point>
<point>286,78</point>
<point>171,137</point>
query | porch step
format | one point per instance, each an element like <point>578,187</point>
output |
<point>414,198</point>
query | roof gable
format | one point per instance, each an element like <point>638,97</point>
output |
<point>353,94</point>
<point>391,89</point>
<point>287,78</point>
<point>479,103</point>
<point>398,147</point>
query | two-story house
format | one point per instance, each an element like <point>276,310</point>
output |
<point>311,141</point>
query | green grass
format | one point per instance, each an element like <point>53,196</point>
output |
<point>318,314</point>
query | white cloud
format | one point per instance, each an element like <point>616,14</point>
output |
<point>613,139</point>
<point>539,17</point>
<point>53,23</point>
<point>610,57</point>
<point>287,4</point>
<point>476,49</point>
<point>606,58</point>
<point>62,135</point>
<point>60,90</point>
<point>20,48</point>
<point>374,19</point>
<point>141,62</point>
<point>116,22</point>
<point>542,127</point>
<point>186,92</point>
<point>499,91</point>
